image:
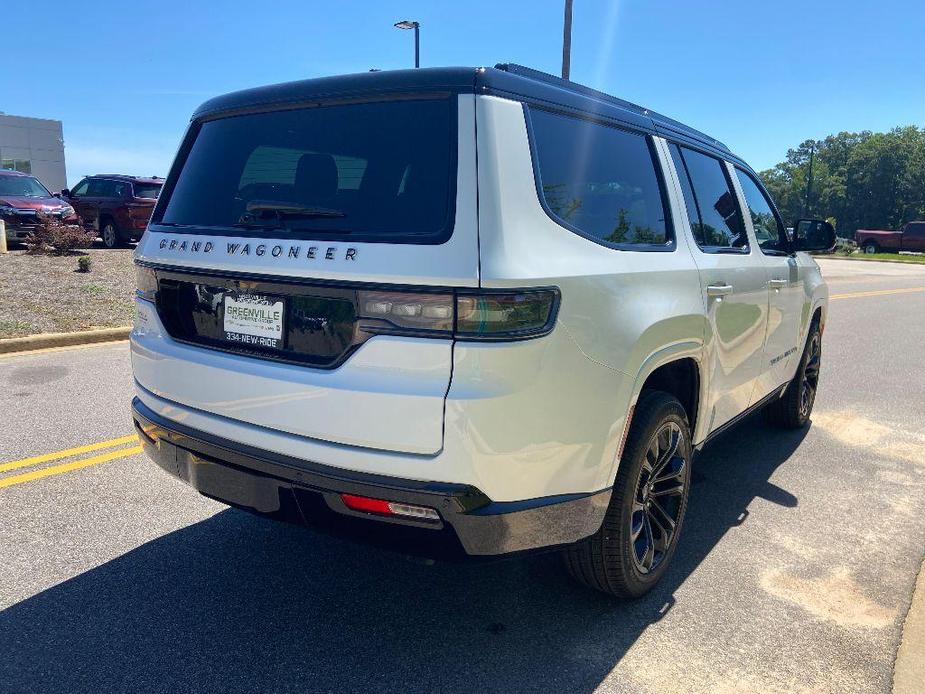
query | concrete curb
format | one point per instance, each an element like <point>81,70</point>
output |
<point>46,340</point>
<point>909,669</point>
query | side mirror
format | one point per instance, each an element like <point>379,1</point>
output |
<point>65,193</point>
<point>813,235</point>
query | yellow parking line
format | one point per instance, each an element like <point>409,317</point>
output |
<point>66,453</point>
<point>876,292</point>
<point>67,467</point>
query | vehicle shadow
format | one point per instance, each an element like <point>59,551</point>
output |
<point>238,603</point>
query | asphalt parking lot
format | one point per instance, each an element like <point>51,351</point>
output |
<point>795,572</point>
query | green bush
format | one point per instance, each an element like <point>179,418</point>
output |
<point>83,263</point>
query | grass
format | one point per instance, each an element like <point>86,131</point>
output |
<point>15,327</point>
<point>888,257</point>
<point>93,289</point>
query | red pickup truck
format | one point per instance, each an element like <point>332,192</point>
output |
<point>910,238</point>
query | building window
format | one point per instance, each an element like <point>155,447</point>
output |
<point>21,165</point>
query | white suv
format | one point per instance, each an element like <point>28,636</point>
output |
<point>465,312</point>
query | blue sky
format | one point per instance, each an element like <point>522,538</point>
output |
<point>761,76</point>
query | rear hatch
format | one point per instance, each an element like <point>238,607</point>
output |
<point>303,260</point>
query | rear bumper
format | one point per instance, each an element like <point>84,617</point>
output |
<point>308,493</point>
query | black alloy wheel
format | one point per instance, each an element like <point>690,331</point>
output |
<point>639,535</point>
<point>810,380</point>
<point>657,503</point>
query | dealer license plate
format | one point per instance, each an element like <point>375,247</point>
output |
<point>253,319</point>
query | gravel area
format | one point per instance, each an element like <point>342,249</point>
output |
<point>42,294</point>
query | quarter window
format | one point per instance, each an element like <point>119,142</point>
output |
<point>711,202</point>
<point>769,230</point>
<point>599,181</point>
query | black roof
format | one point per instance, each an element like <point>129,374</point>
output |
<point>513,81</point>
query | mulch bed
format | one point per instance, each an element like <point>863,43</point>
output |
<point>40,294</point>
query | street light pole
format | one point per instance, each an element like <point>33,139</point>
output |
<point>809,178</point>
<point>409,24</point>
<point>567,41</point>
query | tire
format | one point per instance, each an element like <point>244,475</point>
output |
<point>793,409</point>
<point>109,232</point>
<point>871,247</point>
<point>633,548</point>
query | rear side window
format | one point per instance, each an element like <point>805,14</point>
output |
<point>769,230</point>
<point>711,203</point>
<point>378,171</point>
<point>599,181</point>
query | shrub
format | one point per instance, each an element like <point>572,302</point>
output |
<point>55,236</point>
<point>845,246</point>
<point>83,263</point>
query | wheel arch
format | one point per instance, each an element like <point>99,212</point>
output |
<point>679,371</point>
<point>680,378</point>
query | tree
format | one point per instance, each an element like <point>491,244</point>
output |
<point>861,179</point>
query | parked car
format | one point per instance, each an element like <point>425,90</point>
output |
<point>117,206</point>
<point>499,316</point>
<point>910,238</point>
<point>22,199</point>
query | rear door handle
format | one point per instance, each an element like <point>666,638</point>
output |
<point>719,289</point>
<point>778,282</point>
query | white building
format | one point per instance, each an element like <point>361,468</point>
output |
<point>36,146</point>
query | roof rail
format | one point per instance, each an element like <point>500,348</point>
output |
<point>540,76</point>
<point>657,118</point>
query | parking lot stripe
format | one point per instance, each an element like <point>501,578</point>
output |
<point>68,467</point>
<point>876,292</point>
<point>66,453</point>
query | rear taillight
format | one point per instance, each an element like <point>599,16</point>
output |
<point>464,314</point>
<point>406,311</point>
<point>382,507</point>
<point>145,283</point>
<point>506,315</point>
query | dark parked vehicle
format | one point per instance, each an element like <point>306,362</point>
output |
<point>910,238</point>
<point>22,199</point>
<point>118,206</point>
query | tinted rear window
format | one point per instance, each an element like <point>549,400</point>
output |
<point>147,190</point>
<point>382,171</point>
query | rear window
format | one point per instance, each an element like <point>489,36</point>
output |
<point>380,171</point>
<point>599,181</point>
<point>147,190</point>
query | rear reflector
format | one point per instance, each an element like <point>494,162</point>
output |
<point>389,508</point>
